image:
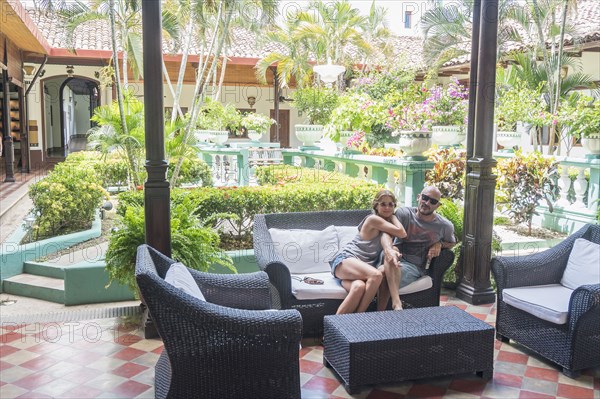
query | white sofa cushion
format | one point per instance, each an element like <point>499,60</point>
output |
<point>583,266</point>
<point>548,302</point>
<point>332,287</point>
<point>306,251</point>
<point>180,277</point>
<point>346,234</point>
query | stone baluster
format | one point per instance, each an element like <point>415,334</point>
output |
<point>580,187</point>
<point>564,185</point>
<point>390,184</point>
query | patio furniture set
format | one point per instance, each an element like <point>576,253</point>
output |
<point>226,343</point>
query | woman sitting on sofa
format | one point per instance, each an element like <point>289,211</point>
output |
<point>356,264</point>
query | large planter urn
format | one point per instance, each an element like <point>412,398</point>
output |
<point>508,140</point>
<point>219,137</point>
<point>414,144</point>
<point>345,136</point>
<point>254,135</point>
<point>309,134</point>
<point>591,142</point>
<point>448,135</point>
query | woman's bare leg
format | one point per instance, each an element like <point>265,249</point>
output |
<point>393,275</point>
<point>354,269</point>
<point>383,295</point>
<point>356,290</point>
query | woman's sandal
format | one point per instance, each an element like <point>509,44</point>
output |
<point>309,280</point>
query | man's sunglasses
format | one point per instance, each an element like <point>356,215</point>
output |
<point>426,198</point>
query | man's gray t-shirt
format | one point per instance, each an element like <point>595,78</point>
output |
<point>421,235</point>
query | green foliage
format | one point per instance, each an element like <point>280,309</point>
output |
<point>448,173</point>
<point>355,111</point>
<point>193,170</point>
<point>65,201</point>
<point>255,121</point>
<point>501,221</point>
<point>237,206</point>
<point>522,182</point>
<point>517,103</point>
<point>454,212</point>
<point>582,115</point>
<point>317,103</point>
<point>110,169</point>
<point>193,244</point>
<point>448,106</point>
<point>379,85</point>
<point>216,116</point>
<point>282,174</point>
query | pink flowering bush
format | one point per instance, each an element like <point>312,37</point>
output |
<point>449,106</point>
<point>412,117</point>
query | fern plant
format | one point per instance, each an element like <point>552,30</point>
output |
<point>192,243</point>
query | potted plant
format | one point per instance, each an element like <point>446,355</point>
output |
<point>448,109</point>
<point>316,105</point>
<point>411,124</point>
<point>216,120</point>
<point>514,104</point>
<point>256,124</point>
<point>354,112</point>
<point>581,114</point>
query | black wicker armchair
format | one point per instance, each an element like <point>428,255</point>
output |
<point>314,310</point>
<point>574,345</point>
<point>220,348</point>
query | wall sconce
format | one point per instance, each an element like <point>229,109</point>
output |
<point>42,73</point>
<point>251,101</point>
<point>29,69</point>
<point>70,70</point>
<point>564,71</point>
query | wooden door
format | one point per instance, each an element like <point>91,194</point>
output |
<point>284,128</point>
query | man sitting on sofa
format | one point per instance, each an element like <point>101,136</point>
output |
<point>408,259</point>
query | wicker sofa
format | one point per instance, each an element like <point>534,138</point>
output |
<point>313,310</point>
<point>572,342</point>
<point>220,348</point>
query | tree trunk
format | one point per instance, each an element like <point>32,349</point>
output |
<point>186,50</point>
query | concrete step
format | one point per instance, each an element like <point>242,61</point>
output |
<point>34,286</point>
<point>44,269</point>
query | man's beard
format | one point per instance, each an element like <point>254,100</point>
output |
<point>425,212</point>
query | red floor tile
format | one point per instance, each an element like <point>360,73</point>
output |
<point>327,385</point>
<point>39,363</point>
<point>508,380</point>
<point>129,389</point>
<point>512,357</point>
<point>33,381</point>
<point>128,354</point>
<point>480,316</point>
<point>128,370</point>
<point>426,391</point>
<point>10,337</point>
<point>310,367</point>
<point>571,391</point>
<point>158,350</point>
<point>541,373</point>
<point>6,350</point>
<point>5,365</point>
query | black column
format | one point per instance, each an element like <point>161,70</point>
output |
<point>480,187</point>
<point>24,126</point>
<point>7,141</point>
<point>157,192</point>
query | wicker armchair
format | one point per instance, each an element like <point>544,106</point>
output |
<point>213,350</point>
<point>574,345</point>
<point>313,311</point>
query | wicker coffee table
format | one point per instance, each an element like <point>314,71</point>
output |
<point>383,347</point>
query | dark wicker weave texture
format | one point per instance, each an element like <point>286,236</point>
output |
<point>313,310</point>
<point>383,347</point>
<point>213,351</point>
<point>574,345</point>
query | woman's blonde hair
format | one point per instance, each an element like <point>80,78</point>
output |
<point>379,195</point>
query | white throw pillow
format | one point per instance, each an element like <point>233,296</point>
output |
<point>180,277</point>
<point>583,266</point>
<point>306,251</point>
<point>346,234</point>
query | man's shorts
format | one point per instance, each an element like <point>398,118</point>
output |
<point>410,273</point>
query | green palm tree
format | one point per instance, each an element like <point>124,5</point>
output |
<point>109,136</point>
<point>375,30</point>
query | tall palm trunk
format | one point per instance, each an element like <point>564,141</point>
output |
<point>120,100</point>
<point>561,44</point>
<point>178,89</point>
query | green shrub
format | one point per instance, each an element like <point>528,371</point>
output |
<point>448,173</point>
<point>110,169</point>
<point>283,174</point>
<point>193,244</point>
<point>232,209</point>
<point>522,182</point>
<point>65,201</point>
<point>192,171</point>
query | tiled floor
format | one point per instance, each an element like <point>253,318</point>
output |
<point>104,359</point>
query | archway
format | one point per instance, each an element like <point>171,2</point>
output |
<point>69,103</point>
